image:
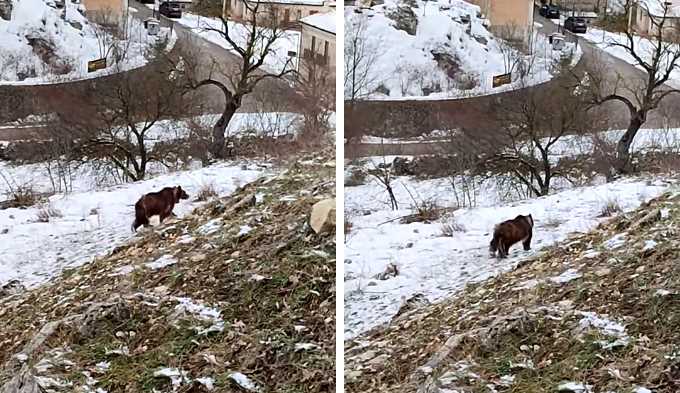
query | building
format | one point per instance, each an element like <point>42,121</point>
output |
<point>107,12</point>
<point>288,12</point>
<point>646,15</point>
<point>576,6</point>
<point>317,47</point>
<point>511,19</point>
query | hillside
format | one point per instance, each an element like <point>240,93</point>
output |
<point>237,295</point>
<point>38,46</point>
<point>437,49</point>
<point>598,312</point>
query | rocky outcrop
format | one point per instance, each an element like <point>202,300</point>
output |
<point>405,19</point>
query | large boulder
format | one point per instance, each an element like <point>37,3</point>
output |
<point>6,9</point>
<point>322,218</point>
<point>405,19</point>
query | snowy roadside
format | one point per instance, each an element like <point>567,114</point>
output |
<point>416,66</point>
<point>605,41</point>
<point>276,61</point>
<point>74,42</point>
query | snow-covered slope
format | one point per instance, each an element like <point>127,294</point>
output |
<point>442,56</point>
<point>37,46</point>
<point>438,265</point>
<point>91,220</point>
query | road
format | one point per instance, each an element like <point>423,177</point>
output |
<point>17,102</point>
<point>211,53</point>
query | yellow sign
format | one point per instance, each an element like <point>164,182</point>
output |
<point>503,79</point>
<point>95,65</point>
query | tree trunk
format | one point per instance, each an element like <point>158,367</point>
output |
<point>623,164</point>
<point>219,129</point>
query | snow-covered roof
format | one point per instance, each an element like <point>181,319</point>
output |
<point>325,22</point>
<point>656,7</point>
<point>292,2</point>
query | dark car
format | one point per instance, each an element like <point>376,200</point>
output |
<point>549,11</point>
<point>575,24</point>
<point>171,10</point>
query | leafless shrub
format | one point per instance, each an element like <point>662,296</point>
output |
<point>466,81</point>
<point>22,196</point>
<point>452,227</point>
<point>357,177</point>
<point>18,195</point>
<point>206,193</point>
<point>423,211</point>
<point>348,226</point>
<point>47,212</point>
<point>610,208</point>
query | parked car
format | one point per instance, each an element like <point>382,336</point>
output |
<point>549,11</point>
<point>575,24</point>
<point>171,10</point>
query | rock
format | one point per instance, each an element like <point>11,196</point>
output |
<point>198,258</point>
<point>414,302</point>
<point>6,9</point>
<point>322,218</point>
<point>12,288</point>
<point>390,271</point>
<point>22,382</point>
<point>603,272</point>
<point>402,167</point>
<point>409,245</point>
<point>405,19</point>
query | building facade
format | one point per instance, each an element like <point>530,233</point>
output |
<point>510,19</point>
<point>317,47</point>
<point>646,15</point>
<point>110,12</point>
<point>288,12</point>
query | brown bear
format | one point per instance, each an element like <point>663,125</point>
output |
<point>510,232</point>
<point>158,203</point>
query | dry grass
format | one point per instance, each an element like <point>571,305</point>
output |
<point>21,197</point>
<point>274,289</point>
<point>610,208</point>
<point>206,193</point>
<point>542,325</point>
<point>424,211</point>
<point>47,212</point>
<point>451,228</point>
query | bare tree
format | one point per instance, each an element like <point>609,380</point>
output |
<point>253,43</point>
<point>117,123</point>
<point>534,121</point>
<point>316,100</point>
<point>382,173</point>
<point>360,59</point>
<point>658,63</point>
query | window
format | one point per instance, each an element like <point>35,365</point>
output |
<point>325,52</point>
<point>299,13</point>
<point>312,12</point>
<point>286,16</point>
<point>313,44</point>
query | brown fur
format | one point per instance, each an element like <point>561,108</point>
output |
<point>510,232</point>
<point>158,203</point>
